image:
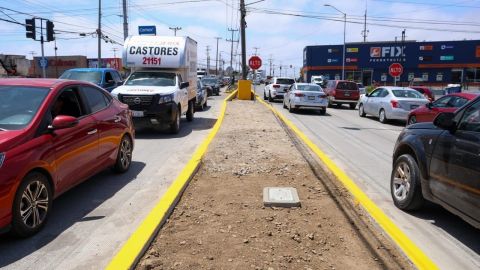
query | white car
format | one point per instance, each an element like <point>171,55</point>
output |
<point>305,96</point>
<point>391,102</point>
<point>276,89</point>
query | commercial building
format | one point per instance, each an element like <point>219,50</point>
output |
<point>55,66</point>
<point>437,63</point>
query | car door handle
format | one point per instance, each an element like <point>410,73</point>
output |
<point>91,132</point>
<point>117,119</point>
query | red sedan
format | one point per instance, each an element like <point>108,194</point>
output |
<point>448,103</point>
<point>55,134</point>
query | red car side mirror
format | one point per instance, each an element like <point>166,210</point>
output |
<point>63,121</point>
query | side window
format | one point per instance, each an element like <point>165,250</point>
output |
<point>116,77</point>
<point>376,93</point>
<point>459,102</point>
<point>442,102</point>
<point>471,118</point>
<point>108,77</point>
<point>96,100</point>
<point>68,103</point>
<point>384,93</point>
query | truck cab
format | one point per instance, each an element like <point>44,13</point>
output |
<point>162,83</point>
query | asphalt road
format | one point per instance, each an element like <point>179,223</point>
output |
<point>90,223</point>
<point>363,148</point>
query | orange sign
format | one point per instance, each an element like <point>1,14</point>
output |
<point>477,52</point>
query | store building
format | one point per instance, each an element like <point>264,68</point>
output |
<point>437,63</point>
<point>55,66</point>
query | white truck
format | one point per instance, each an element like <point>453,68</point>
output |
<point>163,80</point>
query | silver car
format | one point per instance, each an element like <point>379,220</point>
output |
<point>390,102</point>
<point>305,96</point>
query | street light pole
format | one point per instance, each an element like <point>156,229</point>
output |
<point>344,33</point>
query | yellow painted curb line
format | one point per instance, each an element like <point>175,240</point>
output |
<point>139,241</point>
<point>416,255</point>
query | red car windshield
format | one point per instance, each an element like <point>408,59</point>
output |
<point>19,104</point>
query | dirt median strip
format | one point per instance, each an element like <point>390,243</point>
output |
<point>221,223</point>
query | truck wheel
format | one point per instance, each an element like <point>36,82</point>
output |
<point>32,205</point>
<point>175,125</point>
<point>352,106</point>
<point>190,111</point>
<point>270,97</point>
<point>405,184</point>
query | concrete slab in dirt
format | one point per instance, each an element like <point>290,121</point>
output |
<point>281,197</point>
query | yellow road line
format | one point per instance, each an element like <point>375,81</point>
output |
<point>138,242</point>
<point>416,255</point>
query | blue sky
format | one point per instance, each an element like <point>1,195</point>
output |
<point>281,37</point>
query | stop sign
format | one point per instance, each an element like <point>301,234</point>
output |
<point>395,69</point>
<point>254,62</point>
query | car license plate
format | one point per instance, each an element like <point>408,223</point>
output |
<point>311,98</point>
<point>347,94</point>
<point>137,113</point>
<point>412,107</point>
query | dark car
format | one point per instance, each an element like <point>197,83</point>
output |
<point>342,92</point>
<point>202,96</point>
<point>448,103</point>
<point>212,83</point>
<point>54,134</point>
<point>440,162</point>
<point>107,78</point>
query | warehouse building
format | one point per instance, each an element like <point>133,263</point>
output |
<point>436,64</point>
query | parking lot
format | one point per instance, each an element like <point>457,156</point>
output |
<point>108,207</point>
<point>363,148</point>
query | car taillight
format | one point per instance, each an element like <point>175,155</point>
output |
<point>322,96</point>
<point>276,86</point>
<point>333,93</point>
<point>394,104</point>
<point>299,95</point>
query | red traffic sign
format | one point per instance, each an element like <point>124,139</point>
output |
<point>255,62</point>
<point>395,69</point>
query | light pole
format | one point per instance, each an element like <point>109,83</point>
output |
<point>344,31</point>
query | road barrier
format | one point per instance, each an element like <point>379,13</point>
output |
<point>414,253</point>
<point>140,240</point>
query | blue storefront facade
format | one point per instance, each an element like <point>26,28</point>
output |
<point>434,63</point>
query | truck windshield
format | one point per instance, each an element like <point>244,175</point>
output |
<point>151,79</point>
<point>88,76</point>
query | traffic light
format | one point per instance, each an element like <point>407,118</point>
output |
<point>50,32</point>
<point>30,28</point>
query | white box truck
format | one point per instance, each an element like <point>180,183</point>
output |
<point>163,80</point>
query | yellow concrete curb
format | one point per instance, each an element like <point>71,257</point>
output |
<point>139,241</point>
<point>416,255</point>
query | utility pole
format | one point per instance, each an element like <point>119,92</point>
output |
<point>175,29</point>
<point>232,41</point>
<point>208,59</point>
<point>270,61</point>
<point>33,61</point>
<point>99,34</point>
<point>43,51</point>
<point>125,20</point>
<point>256,49</point>
<point>365,31</point>
<point>243,25</point>
<point>216,58</point>
<point>115,52</point>
<point>56,59</point>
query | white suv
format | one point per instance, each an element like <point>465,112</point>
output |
<point>277,88</point>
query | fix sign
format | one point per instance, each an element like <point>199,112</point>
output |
<point>395,70</point>
<point>255,62</point>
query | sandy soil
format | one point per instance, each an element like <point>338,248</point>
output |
<point>221,223</point>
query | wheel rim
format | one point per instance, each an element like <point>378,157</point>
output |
<point>413,120</point>
<point>401,181</point>
<point>382,116</point>
<point>34,204</point>
<point>360,110</point>
<point>125,153</point>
